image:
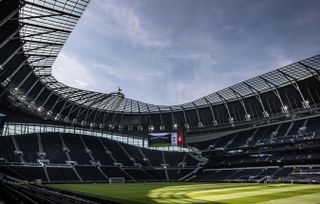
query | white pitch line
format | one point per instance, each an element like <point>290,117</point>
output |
<point>313,198</point>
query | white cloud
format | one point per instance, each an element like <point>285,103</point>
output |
<point>191,56</point>
<point>279,57</point>
<point>119,19</point>
<point>70,70</point>
<point>164,62</point>
<point>126,72</point>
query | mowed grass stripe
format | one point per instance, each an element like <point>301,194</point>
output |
<point>274,196</point>
<point>139,192</point>
<point>129,190</point>
<point>257,193</point>
<point>171,197</point>
<point>239,188</point>
<point>169,194</point>
<point>313,198</point>
<point>105,192</point>
<point>191,192</point>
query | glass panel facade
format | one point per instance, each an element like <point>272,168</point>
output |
<point>29,128</point>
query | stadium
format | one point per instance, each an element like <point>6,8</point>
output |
<point>257,141</point>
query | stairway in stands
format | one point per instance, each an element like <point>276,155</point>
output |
<point>197,154</point>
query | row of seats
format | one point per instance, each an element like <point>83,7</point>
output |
<point>13,192</point>
<point>239,156</point>
<point>97,159</point>
<point>91,173</point>
<point>246,175</point>
<point>59,148</point>
<point>252,137</point>
<point>277,158</point>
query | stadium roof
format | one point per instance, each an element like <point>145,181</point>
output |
<point>45,26</point>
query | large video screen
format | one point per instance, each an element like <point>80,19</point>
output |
<point>166,139</point>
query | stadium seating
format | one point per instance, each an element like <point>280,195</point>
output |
<point>247,155</point>
<point>53,148</point>
<point>173,158</point>
<point>7,170</point>
<point>117,152</point>
<point>90,173</point>
<point>241,139</point>
<point>31,173</point>
<point>243,175</point>
<point>158,174</point>
<point>175,174</point>
<point>140,175</point>
<point>95,159</point>
<point>190,161</point>
<point>29,147</point>
<point>77,150</point>
<point>6,150</point>
<point>60,174</point>
<point>135,152</point>
<point>262,130</point>
<point>154,156</point>
<point>98,151</point>
<point>115,172</point>
<point>15,192</point>
<point>289,143</point>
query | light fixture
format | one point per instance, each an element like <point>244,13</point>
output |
<point>57,117</point>
<point>248,117</point>
<point>175,126</point>
<point>306,104</point>
<point>40,109</point>
<point>23,98</point>
<point>284,109</point>
<point>215,123</point>
<point>151,128</point>
<point>6,82</point>
<point>31,104</point>
<point>140,128</point>
<point>162,127</point>
<point>111,126</point>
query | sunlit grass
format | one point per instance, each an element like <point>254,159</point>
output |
<point>219,193</point>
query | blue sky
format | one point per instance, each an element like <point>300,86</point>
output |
<point>174,51</point>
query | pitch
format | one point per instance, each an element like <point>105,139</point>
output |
<point>218,193</point>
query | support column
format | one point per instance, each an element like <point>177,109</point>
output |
<point>258,97</point>
<point>186,125</point>
<point>225,103</point>
<point>200,124</point>
<point>284,108</point>
<point>214,120</point>
<point>240,98</point>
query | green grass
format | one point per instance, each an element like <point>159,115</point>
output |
<point>218,193</point>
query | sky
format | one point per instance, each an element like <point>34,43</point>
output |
<point>169,52</point>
